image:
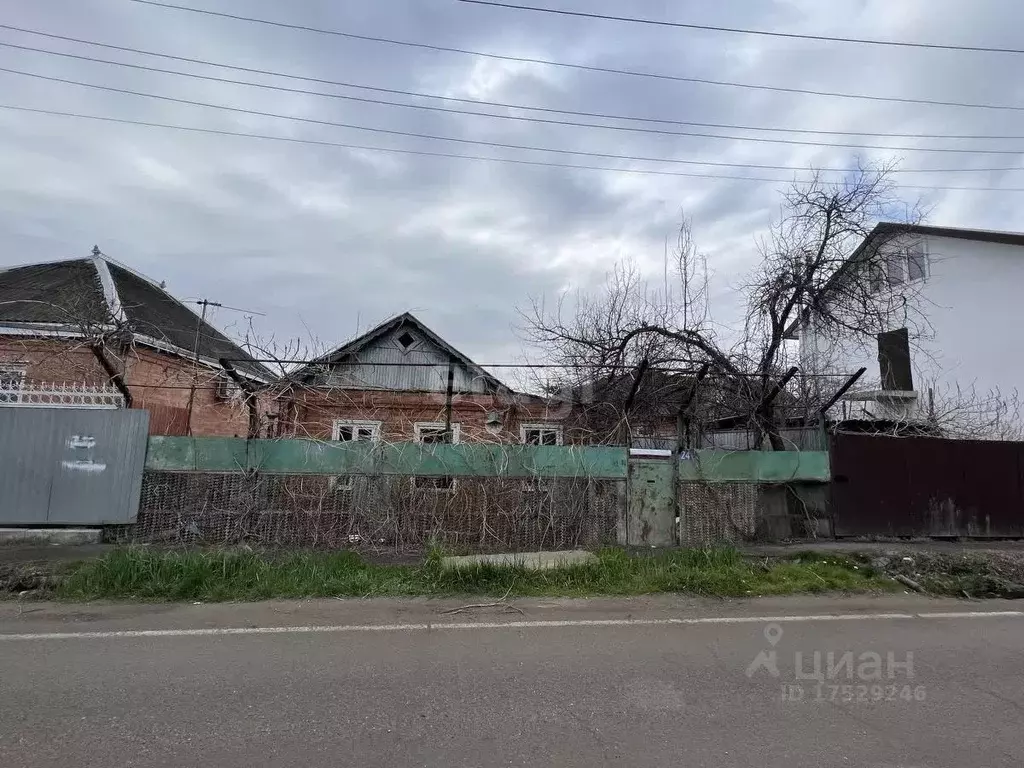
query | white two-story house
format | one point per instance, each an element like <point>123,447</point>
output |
<point>949,344</point>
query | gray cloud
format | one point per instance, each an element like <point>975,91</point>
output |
<point>323,238</point>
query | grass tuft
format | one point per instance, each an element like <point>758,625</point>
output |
<point>218,575</point>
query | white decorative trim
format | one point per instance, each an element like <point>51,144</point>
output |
<point>419,426</point>
<point>33,394</point>
<point>110,294</point>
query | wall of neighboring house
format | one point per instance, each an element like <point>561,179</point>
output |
<point>158,381</point>
<point>393,416</point>
<point>963,331</point>
<point>53,362</point>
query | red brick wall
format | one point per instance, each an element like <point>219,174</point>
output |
<point>154,378</point>
<point>56,361</point>
<point>312,412</point>
<point>157,378</point>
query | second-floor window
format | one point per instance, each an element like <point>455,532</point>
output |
<point>906,264</point>
<point>917,262</point>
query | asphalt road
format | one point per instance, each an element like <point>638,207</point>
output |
<point>567,683</point>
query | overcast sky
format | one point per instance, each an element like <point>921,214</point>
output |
<point>324,238</point>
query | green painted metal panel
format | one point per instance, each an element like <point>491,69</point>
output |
<point>300,456</point>
<point>754,466</point>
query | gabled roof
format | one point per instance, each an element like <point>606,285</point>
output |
<point>354,346</point>
<point>887,230</point>
<point>958,233</point>
<point>73,295</point>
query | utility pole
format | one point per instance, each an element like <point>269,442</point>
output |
<point>204,303</point>
<point>449,392</point>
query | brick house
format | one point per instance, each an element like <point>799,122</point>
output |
<point>402,382</point>
<point>91,333</point>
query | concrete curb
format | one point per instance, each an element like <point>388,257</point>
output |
<point>63,537</point>
<point>536,561</point>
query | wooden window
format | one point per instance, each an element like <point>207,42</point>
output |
<point>434,432</point>
<point>540,434</point>
<point>405,341</point>
<point>355,431</point>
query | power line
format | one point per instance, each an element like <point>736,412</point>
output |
<point>524,147</point>
<point>546,121</point>
<point>426,153</point>
<point>582,67</point>
<point>452,155</point>
<point>732,30</point>
<point>440,97</point>
<point>326,362</point>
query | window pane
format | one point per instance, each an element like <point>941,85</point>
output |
<point>549,437</point>
<point>916,262</point>
<point>345,433</point>
<point>532,437</point>
<point>894,268</point>
<point>364,433</point>
<point>435,435</point>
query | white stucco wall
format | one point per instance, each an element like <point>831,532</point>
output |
<point>972,303</point>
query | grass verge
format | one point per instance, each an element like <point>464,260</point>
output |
<point>143,574</point>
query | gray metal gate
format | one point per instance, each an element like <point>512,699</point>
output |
<point>651,512</point>
<point>71,466</point>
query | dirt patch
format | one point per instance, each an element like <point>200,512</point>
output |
<point>32,578</point>
<point>963,574</point>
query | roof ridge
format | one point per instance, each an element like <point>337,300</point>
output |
<point>110,294</point>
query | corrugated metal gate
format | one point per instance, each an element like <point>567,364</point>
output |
<point>924,486</point>
<point>71,466</point>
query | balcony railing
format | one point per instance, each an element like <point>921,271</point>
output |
<point>42,394</point>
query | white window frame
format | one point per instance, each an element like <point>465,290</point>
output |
<point>344,482</point>
<point>356,425</point>
<point>420,426</point>
<point>21,371</point>
<point>418,429</point>
<point>923,244</point>
<point>543,427</point>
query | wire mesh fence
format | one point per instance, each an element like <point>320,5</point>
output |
<point>393,513</point>
<point>714,513</point>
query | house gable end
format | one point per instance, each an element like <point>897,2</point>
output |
<point>401,354</point>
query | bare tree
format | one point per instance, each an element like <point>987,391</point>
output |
<point>805,269</point>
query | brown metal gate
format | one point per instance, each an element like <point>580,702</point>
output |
<point>924,486</point>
